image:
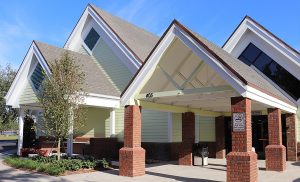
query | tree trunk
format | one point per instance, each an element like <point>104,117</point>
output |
<point>58,149</point>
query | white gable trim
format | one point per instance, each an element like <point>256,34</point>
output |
<point>99,100</point>
<point>247,24</point>
<point>126,56</point>
<point>15,90</point>
<point>148,69</point>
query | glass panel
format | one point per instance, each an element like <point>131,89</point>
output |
<point>91,39</point>
<point>262,62</point>
<point>275,72</point>
<point>251,53</point>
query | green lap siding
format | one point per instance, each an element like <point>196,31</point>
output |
<point>95,123</point>
<point>116,70</point>
<point>28,95</point>
<point>207,129</point>
<point>154,126</point>
<point>176,127</point>
<point>120,123</point>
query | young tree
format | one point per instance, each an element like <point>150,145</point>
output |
<point>7,114</point>
<point>60,97</point>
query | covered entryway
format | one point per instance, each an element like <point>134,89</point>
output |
<point>187,74</point>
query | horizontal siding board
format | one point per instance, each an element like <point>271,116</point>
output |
<point>112,65</point>
<point>28,95</point>
<point>176,127</point>
<point>207,129</point>
<point>154,126</point>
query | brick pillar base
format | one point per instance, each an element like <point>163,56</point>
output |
<point>132,161</point>
<point>132,155</point>
<point>291,147</point>
<point>275,158</point>
<point>185,155</point>
<point>241,166</point>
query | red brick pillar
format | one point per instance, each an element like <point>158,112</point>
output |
<point>220,137</point>
<point>291,137</point>
<point>188,139</point>
<point>132,155</point>
<point>275,151</point>
<point>241,161</point>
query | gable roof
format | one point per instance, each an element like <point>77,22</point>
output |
<point>265,29</point>
<point>96,82</point>
<point>242,71</point>
<point>139,41</point>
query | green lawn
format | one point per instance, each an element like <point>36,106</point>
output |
<point>11,137</point>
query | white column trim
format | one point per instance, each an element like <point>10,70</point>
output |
<point>21,127</point>
<point>197,128</point>
<point>170,126</point>
<point>70,135</point>
<point>112,123</point>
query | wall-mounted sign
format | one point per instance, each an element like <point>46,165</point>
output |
<point>238,122</point>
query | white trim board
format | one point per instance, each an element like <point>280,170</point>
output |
<point>148,68</point>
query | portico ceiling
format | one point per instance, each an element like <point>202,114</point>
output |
<point>181,78</point>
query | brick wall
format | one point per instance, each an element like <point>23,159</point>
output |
<point>291,137</point>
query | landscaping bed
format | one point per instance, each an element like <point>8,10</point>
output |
<point>53,167</point>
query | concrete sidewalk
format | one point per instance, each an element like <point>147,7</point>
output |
<point>215,171</point>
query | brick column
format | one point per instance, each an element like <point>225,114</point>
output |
<point>132,155</point>
<point>291,137</point>
<point>275,151</point>
<point>242,161</point>
<point>220,137</point>
<point>188,139</point>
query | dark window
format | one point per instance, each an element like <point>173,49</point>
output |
<point>37,77</point>
<point>286,81</point>
<point>91,39</point>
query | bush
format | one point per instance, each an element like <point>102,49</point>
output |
<point>52,166</point>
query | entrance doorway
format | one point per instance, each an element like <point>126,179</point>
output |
<point>259,134</point>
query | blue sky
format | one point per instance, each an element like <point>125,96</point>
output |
<point>51,21</point>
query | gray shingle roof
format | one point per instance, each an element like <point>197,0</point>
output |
<point>140,41</point>
<point>251,76</point>
<point>96,81</point>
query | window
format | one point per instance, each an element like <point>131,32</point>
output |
<point>37,77</point>
<point>286,81</point>
<point>91,39</point>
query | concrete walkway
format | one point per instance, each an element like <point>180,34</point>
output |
<point>216,171</point>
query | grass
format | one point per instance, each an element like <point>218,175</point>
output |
<point>9,137</point>
<point>51,166</point>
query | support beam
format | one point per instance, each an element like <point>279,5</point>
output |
<point>132,155</point>
<point>241,161</point>
<point>185,92</point>
<point>275,151</point>
<point>188,139</point>
<point>112,123</point>
<point>193,74</point>
<point>21,128</point>
<point>169,78</point>
<point>197,129</point>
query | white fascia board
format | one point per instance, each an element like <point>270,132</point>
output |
<point>101,101</point>
<point>19,82</point>
<point>147,70</point>
<point>122,51</point>
<point>264,98</point>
